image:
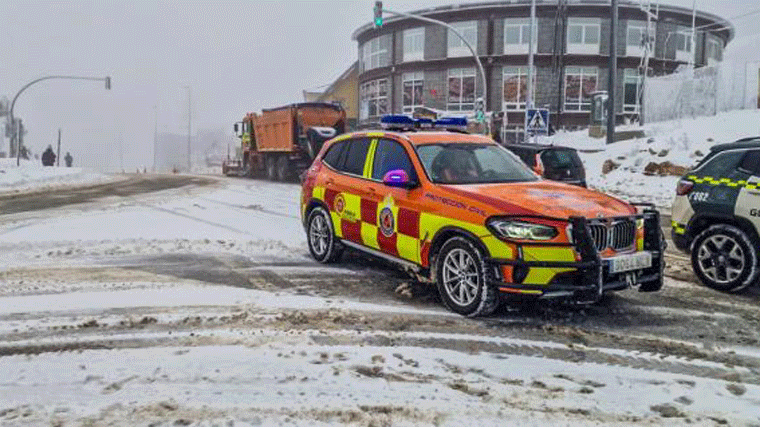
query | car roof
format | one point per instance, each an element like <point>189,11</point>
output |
<point>752,142</point>
<point>537,147</point>
<point>425,137</point>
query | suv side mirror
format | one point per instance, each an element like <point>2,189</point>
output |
<point>398,178</point>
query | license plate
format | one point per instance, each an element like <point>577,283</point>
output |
<point>637,261</point>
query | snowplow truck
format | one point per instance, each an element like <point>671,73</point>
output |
<point>282,142</point>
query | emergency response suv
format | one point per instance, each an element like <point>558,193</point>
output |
<point>464,213</point>
<point>716,216</point>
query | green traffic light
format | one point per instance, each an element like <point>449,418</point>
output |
<point>378,22</point>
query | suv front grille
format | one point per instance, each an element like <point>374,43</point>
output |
<point>616,235</point>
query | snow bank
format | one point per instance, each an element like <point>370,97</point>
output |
<point>680,142</point>
<point>31,175</point>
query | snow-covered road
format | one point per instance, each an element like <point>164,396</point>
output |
<point>201,306</point>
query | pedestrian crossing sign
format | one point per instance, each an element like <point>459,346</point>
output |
<point>537,121</point>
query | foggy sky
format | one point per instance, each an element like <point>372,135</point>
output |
<point>237,56</point>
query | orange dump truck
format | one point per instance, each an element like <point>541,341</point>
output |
<point>281,142</point>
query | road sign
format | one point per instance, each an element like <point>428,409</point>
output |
<point>538,121</point>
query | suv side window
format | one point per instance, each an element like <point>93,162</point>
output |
<point>391,155</point>
<point>722,164</point>
<point>355,156</point>
<point>751,162</point>
<point>332,156</point>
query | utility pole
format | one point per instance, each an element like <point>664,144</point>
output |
<point>531,90</point>
<point>58,157</point>
<point>612,81</point>
<point>189,126</point>
<point>155,136</point>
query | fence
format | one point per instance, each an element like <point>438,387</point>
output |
<point>702,92</point>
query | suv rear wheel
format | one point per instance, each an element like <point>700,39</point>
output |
<point>323,245</point>
<point>724,258</point>
<point>462,279</point>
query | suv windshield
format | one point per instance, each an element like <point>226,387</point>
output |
<point>472,164</point>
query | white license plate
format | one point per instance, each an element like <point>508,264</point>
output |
<point>637,261</point>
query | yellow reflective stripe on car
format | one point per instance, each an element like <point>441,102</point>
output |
<point>369,235</point>
<point>497,248</point>
<point>722,181</point>
<point>376,134</point>
<point>336,224</point>
<point>678,228</point>
<point>318,193</point>
<point>541,253</point>
<point>544,275</point>
<point>408,247</point>
<point>370,159</point>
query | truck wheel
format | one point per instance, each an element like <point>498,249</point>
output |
<point>283,169</point>
<point>323,244</point>
<point>271,168</point>
<point>463,280</point>
<point>725,259</point>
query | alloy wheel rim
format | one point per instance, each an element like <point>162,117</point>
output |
<point>319,235</point>
<point>460,277</point>
<point>721,259</point>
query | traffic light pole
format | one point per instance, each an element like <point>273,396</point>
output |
<point>472,50</point>
<point>14,132</point>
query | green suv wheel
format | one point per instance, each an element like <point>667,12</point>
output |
<point>725,258</point>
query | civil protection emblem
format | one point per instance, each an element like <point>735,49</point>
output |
<point>386,221</point>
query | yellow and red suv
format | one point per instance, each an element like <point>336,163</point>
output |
<point>464,213</point>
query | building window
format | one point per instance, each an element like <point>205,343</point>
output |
<point>374,54</point>
<point>469,30</point>
<point>637,33</point>
<point>583,36</point>
<point>580,83</point>
<point>373,97</point>
<point>461,89</point>
<point>414,44</point>
<point>516,87</point>
<point>412,86</point>
<point>713,50</point>
<point>683,45</point>
<point>517,36</point>
<point>631,87</point>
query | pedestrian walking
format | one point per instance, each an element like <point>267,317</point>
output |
<point>48,157</point>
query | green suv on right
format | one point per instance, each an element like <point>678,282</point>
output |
<point>716,216</point>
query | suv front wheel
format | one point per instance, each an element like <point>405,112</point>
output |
<point>724,258</point>
<point>462,279</point>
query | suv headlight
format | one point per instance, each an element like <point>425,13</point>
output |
<point>520,230</point>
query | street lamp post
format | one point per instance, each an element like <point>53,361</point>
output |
<point>189,125</point>
<point>14,132</point>
<point>455,31</point>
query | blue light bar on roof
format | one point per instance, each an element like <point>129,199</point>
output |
<point>397,121</point>
<point>459,123</point>
<point>402,122</point>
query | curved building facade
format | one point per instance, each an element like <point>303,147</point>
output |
<point>410,63</point>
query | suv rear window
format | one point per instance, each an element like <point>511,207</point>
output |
<point>560,159</point>
<point>333,154</point>
<point>355,156</point>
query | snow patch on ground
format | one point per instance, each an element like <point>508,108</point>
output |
<point>681,142</point>
<point>31,175</point>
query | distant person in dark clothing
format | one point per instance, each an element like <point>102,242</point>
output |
<point>68,159</point>
<point>48,157</point>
